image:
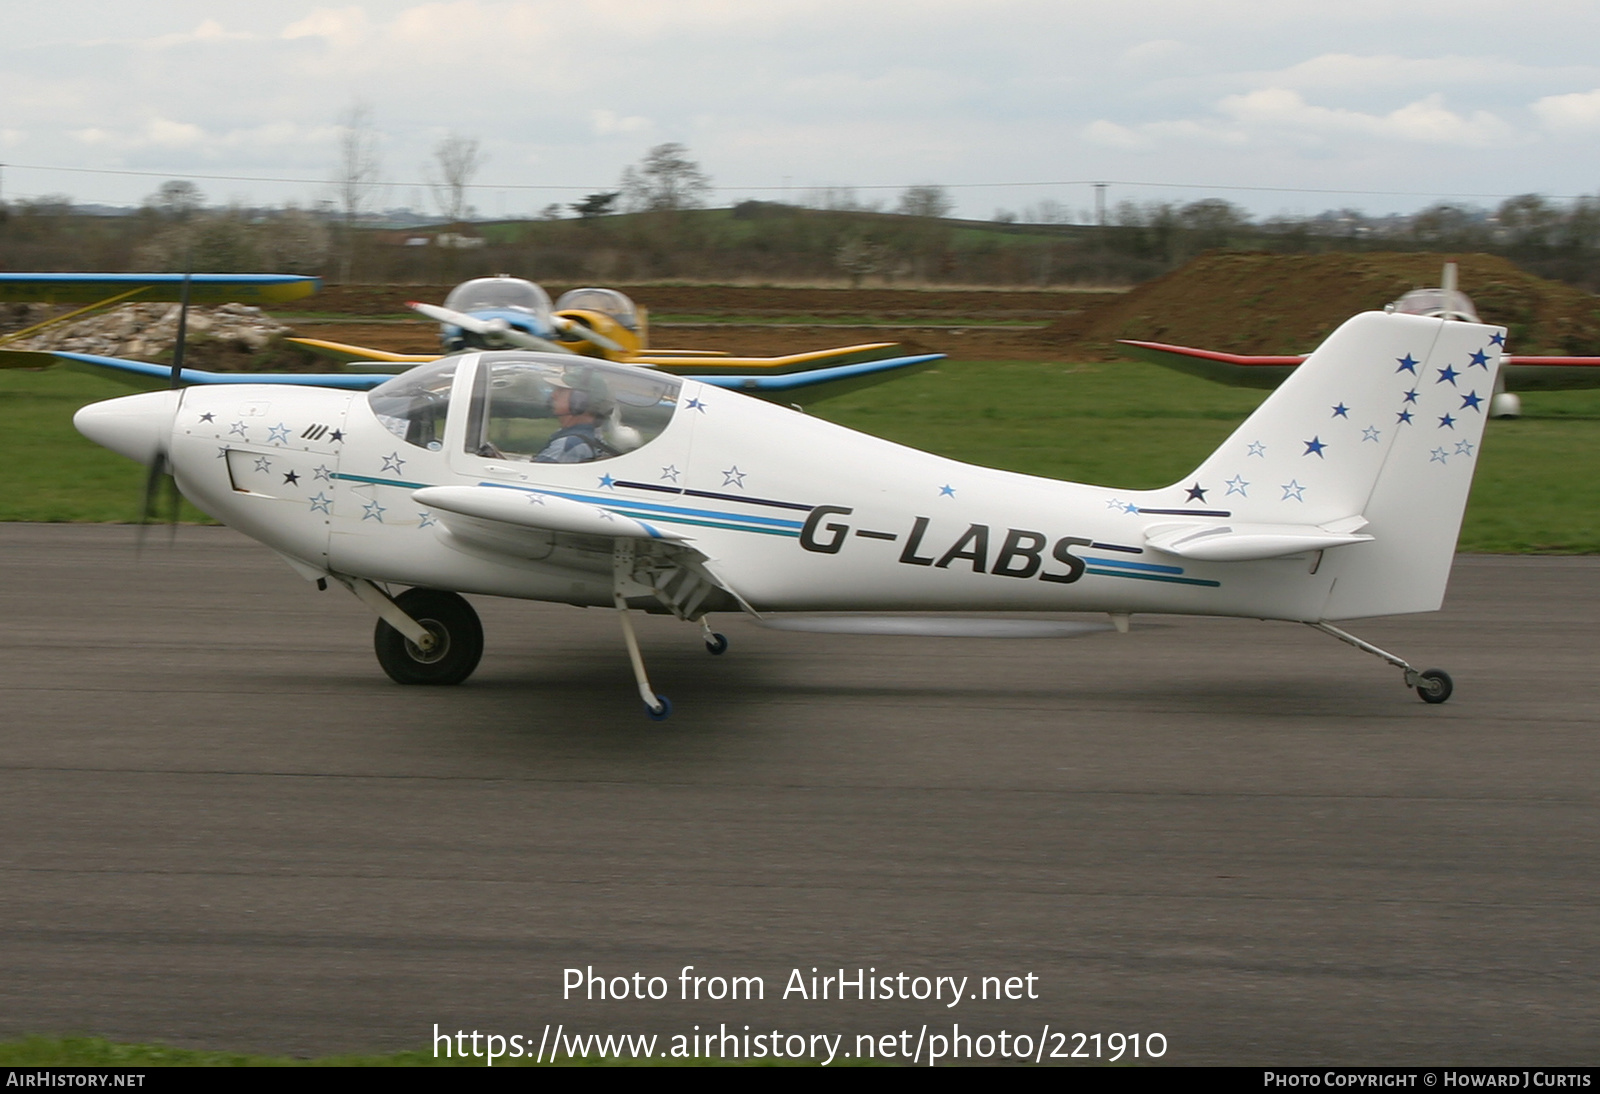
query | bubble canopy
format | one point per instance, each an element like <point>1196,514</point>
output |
<point>522,403</point>
<point>500,294</point>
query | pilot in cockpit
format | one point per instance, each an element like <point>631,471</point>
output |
<point>579,412</point>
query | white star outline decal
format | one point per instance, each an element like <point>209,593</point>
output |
<point>734,477</point>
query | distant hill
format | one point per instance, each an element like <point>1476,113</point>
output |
<point>1252,302</point>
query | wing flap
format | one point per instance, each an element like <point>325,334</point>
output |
<point>1237,542</point>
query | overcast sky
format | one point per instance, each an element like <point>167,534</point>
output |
<point>1403,103</point>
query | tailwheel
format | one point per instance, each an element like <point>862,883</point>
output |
<point>457,633</point>
<point>1434,686</point>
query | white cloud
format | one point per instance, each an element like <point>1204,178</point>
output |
<point>608,123</point>
<point>1281,115</point>
<point>343,24</point>
<point>1565,114</point>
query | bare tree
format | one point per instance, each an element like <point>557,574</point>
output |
<point>666,179</point>
<point>357,174</point>
<point>925,201</point>
<point>456,162</point>
<point>176,199</point>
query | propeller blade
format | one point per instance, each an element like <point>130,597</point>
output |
<point>183,331</point>
<point>160,481</point>
<point>571,328</point>
<point>490,330</point>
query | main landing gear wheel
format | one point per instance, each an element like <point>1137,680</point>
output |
<point>452,622</point>
<point>661,713</point>
<point>1434,686</point>
<point>716,644</point>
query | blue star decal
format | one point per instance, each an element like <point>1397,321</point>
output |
<point>1293,489</point>
<point>323,473</point>
<point>425,518</point>
<point>321,504</point>
<point>263,464</point>
<point>374,511</point>
<point>1411,396</point>
<point>1195,494</point>
<point>1407,364</point>
<point>392,462</point>
<point>947,491</point>
<point>670,472</point>
<point>336,435</point>
<point>1370,434</point>
<point>1341,411</point>
<point>734,477</point>
<point>1405,418</point>
<point>208,417</point>
<point>607,482</point>
<point>1498,338</point>
<point>696,404</point>
<point>1447,373</point>
<point>1257,449</point>
<point>1130,508</point>
<point>1236,485</point>
<point>1471,400</point>
<point>1439,456</point>
<point>1314,447</point>
<point>1447,422</point>
<point>1481,359</point>
<point>278,434</point>
<point>1463,448</point>
<point>238,427</point>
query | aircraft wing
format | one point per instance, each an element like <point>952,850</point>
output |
<point>790,388</point>
<point>145,376</point>
<point>819,383</point>
<point>1521,373</point>
<point>343,351</point>
<point>701,363</point>
<point>515,523</point>
<point>91,288</point>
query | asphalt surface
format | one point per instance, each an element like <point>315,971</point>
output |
<point>224,828</point>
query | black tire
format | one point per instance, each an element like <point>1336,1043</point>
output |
<point>452,620</point>
<point>1435,686</point>
<point>717,644</point>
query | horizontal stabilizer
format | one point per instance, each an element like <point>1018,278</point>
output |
<point>1237,542</point>
<point>532,510</point>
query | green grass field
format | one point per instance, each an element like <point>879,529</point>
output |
<point>1118,424</point>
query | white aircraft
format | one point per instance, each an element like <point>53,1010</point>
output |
<point>571,479</point>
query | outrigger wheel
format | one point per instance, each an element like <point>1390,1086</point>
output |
<point>454,624</point>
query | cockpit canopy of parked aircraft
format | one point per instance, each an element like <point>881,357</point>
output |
<point>488,294</point>
<point>606,301</point>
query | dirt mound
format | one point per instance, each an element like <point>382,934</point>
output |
<point>1262,303</point>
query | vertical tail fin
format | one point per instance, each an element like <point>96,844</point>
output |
<point>1377,432</point>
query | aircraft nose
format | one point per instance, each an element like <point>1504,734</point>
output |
<point>135,426</point>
